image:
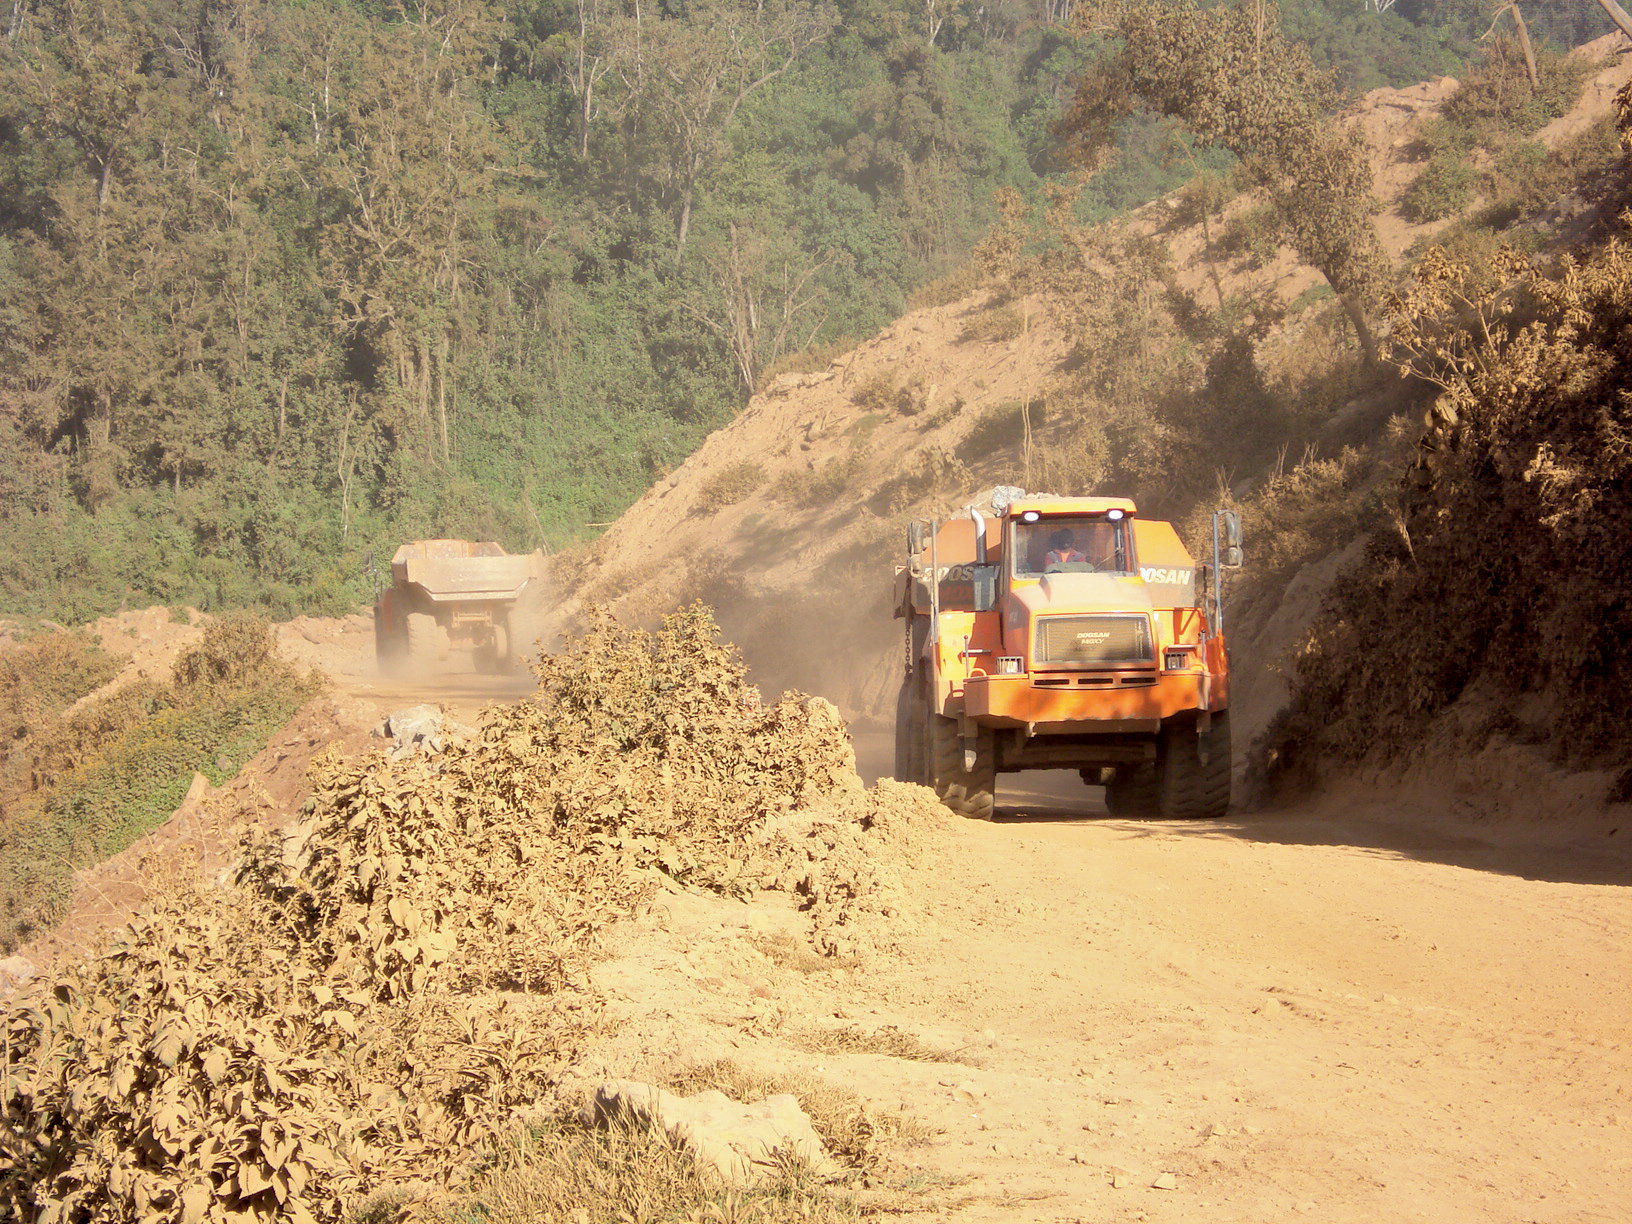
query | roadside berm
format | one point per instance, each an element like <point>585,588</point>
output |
<point>368,1001</point>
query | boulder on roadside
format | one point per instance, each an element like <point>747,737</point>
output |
<point>742,1144</point>
<point>420,726</point>
<point>15,971</point>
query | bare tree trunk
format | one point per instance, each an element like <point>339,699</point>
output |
<point>1524,45</point>
<point>1524,38</point>
<point>1618,15</point>
<point>442,400</point>
<point>1362,329</point>
<point>685,225</point>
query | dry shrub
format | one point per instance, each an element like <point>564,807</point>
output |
<point>237,649</point>
<point>42,676</point>
<point>568,1173</point>
<point>730,485</point>
<point>816,358</point>
<point>366,1004</point>
<point>954,286</point>
<point>813,486</point>
<point>888,1041</point>
<point>994,325</point>
<point>850,860</point>
<point>876,393</point>
<point>1508,566</point>
<point>1496,102</point>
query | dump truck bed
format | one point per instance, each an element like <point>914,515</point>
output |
<point>459,570</point>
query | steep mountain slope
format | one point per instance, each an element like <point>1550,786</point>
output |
<point>789,518</point>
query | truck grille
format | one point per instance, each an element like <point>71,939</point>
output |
<point>1095,641</point>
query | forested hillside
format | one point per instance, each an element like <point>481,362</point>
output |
<point>286,282</point>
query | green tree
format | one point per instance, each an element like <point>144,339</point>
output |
<point>1231,76</point>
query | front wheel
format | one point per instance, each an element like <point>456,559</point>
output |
<point>968,792</point>
<point>1134,791</point>
<point>1195,780</point>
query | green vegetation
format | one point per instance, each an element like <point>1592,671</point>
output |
<point>80,787</point>
<point>1491,118</point>
<point>282,289</point>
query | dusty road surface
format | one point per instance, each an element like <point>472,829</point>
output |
<point>1294,1016</point>
<point>1339,1031</point>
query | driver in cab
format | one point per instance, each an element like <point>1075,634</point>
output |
<point>1062,549</point>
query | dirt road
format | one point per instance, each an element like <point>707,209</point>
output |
<point>1349,1032</point>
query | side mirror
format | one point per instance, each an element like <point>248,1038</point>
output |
<point>1229,522</point>
<point>915,537</point>
<point>1231,558</point>
<point>984,578</point>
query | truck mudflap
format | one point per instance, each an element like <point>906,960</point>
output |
<point>1020,701</point>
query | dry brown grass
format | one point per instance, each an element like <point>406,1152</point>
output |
<point>856,1135</point>
<point>569,1174</point>
<point>889,1041</point>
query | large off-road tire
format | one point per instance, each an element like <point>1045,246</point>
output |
<point>495,657</point>
<point>389,645</point>
<point>967,792</point>
<point>1191,788</point>
<point>909,734</point>
<point>424,640</point>
<point>1135,791</point>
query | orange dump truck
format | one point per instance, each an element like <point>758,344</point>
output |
<point>448,595</point>
<point>1066,632</point>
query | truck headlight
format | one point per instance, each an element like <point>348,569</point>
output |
<point>1176,658</point>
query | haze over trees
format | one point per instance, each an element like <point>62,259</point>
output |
<point>282,283</point>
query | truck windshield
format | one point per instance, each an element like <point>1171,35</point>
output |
<point>1071,544</point>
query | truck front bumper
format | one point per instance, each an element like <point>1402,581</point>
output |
<point>1061,703</point>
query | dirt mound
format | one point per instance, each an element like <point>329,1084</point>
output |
<point>364,1001</point>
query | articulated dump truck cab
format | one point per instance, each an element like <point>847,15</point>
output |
<point>456,595</point>
<point>1065,632</point>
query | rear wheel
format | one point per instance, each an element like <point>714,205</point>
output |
<point>1134,791</point>
<point>424,646</point>
<point>967,792</point>
<point>1195,779</point>
<point>388,640</point>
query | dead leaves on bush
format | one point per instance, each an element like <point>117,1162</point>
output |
<point>380,991</point>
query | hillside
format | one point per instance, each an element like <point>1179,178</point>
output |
<point>788,519</point>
